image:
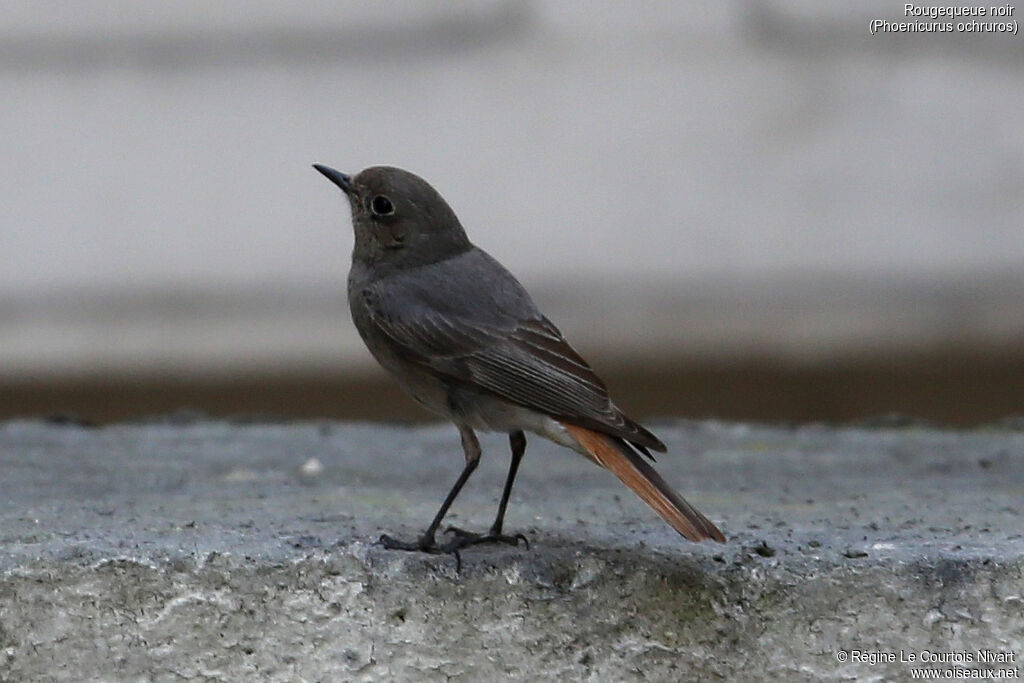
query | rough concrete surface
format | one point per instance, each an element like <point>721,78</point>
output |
<point>220,551</point>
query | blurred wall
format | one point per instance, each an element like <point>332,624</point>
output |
<point>732,188</point>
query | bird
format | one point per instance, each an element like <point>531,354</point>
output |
<point>465,340</point>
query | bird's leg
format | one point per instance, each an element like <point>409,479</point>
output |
<point>517,440</point>
<point>426,542</point>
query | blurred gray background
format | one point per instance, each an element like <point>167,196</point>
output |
<point>737,209</point>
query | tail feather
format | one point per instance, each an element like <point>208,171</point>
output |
<point>615,455</point>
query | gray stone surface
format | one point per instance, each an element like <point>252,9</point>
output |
<point>205,551</point>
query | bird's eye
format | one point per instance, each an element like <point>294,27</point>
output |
<point>381,206</point>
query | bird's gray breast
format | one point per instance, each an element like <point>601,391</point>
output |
<point>419,382</point>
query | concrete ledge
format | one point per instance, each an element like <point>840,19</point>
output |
<point>222,551</point>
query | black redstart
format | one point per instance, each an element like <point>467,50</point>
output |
<point>463,338</point>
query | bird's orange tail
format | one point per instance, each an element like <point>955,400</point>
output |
<point>623,462</point>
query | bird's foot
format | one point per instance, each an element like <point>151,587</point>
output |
<point>423,544</point>
<point>462,538</point>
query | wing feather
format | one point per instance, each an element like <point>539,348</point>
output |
<point>518,355</point>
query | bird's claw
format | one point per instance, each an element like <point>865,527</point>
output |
<point>460,539</point>
<point>424,544</point>
<point>463,538</point>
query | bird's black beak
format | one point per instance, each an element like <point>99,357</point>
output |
<point>342,180</point>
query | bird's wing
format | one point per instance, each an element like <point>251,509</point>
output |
<point>500,344</point>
